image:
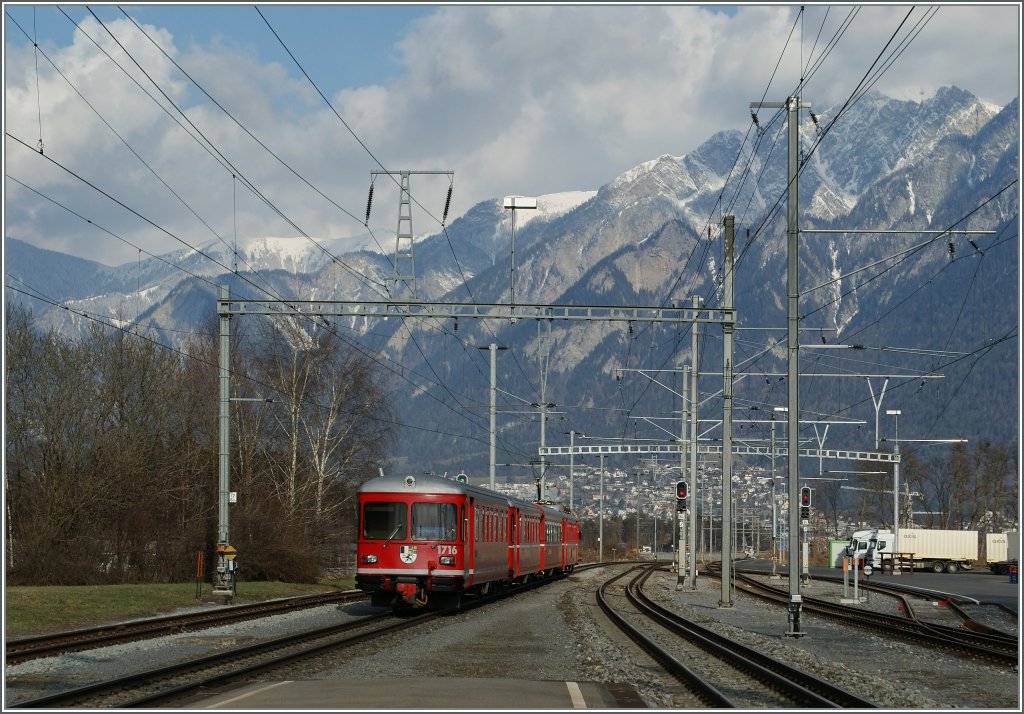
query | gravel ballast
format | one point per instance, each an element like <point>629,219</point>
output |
<point>558,633</point>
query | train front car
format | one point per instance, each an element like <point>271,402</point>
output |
<point>411,546</point>
<point>428,540</point>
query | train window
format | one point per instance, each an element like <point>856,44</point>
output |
<point>434,521</point>
<point>384,520</point>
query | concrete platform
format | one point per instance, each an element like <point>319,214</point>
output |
<point>418,694</point>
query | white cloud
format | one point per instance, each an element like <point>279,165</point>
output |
<point>527,100</point>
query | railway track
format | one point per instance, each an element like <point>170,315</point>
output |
<point>999,647</point>
<point>954,604</point>
<point>26,648</point>
<point>22,649</point>
<point>716,671</point>
<point>168,684</point>
<point>178,683</point>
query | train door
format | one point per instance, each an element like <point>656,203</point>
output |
<point>563,552</point>
<point>542,542</point>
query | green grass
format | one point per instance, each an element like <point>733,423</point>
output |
<point>40,610</point>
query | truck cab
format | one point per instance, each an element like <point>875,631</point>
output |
<point>869,545</point>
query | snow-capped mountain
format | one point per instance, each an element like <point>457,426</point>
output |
<point>910,299</point>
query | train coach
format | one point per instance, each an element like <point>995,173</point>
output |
<point>428,541</point>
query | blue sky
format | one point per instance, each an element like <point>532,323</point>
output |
<point>339,45</point>
<point>515,99</point>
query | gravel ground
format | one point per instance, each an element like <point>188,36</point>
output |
<point>559,633</point>
<point>892,674</point>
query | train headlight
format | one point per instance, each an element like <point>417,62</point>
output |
<point>447,560</point>
<point>368,559</point>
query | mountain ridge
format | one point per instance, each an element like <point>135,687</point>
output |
<point>652,236</point>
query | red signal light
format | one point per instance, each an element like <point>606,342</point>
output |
<point>805,497</point>
<point>680,489</point>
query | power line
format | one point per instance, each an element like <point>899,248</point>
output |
<point>189,356</point>
<point>334,259</point>
<point>345,265</point>
<point>366,148</point>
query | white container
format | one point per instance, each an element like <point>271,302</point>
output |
<point>995,547</point>
<point>926,543</point>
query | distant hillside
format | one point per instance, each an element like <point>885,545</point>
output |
<point>909,302</point>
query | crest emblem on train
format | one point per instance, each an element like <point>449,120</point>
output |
<point>407,553</point>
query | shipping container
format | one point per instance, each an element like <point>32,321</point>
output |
<point>928,544</point>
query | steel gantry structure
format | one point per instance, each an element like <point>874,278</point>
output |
<point>736,450</point>
<point>228,307</point>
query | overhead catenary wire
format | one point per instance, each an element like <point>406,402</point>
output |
<point>337,261</point>
<point>849,103</point>
<point>358,274</point>
<point>126,144</point>
<point>201,252</point>
<point>374,158</point>
<point>39,100</point>
<point>368,415</point>
<point>706,246</point>
<point>443,220</point>
<point>172,235</point>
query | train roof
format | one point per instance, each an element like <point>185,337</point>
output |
<point>423,484</point>
<point>436,484</point>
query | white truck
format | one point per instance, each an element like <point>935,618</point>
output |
<point>935,550</point>
<point>1001,551</point>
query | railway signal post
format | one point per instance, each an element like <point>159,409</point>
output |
<point>681,507</point>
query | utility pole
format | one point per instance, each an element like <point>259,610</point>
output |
<point>638,513</point>
<point>685,448</point>
<point>223,584</point>
<point>694,401</point>
<point>727,267</point>
<point>775,525</point>
<point>600,520</point>
<point>572,463</point>
<point>792,105</point>
<point>516,203</point>
<point>793,290</point>
<point>493,348</point>
<point>895,413</point>
<point>544,353</point>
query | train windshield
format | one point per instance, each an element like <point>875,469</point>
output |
<point>384,520</point>
<point>434,521</point>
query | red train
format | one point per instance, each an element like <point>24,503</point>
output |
<point>425,539</point>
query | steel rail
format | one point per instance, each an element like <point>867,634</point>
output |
<point>953,639</point>
<point>704,690</point>
<point>801,686</point>
<point>226,658</point>
<point>26,648</point>
<point>331,637</point>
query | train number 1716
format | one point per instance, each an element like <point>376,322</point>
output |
<point>447,550</point>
